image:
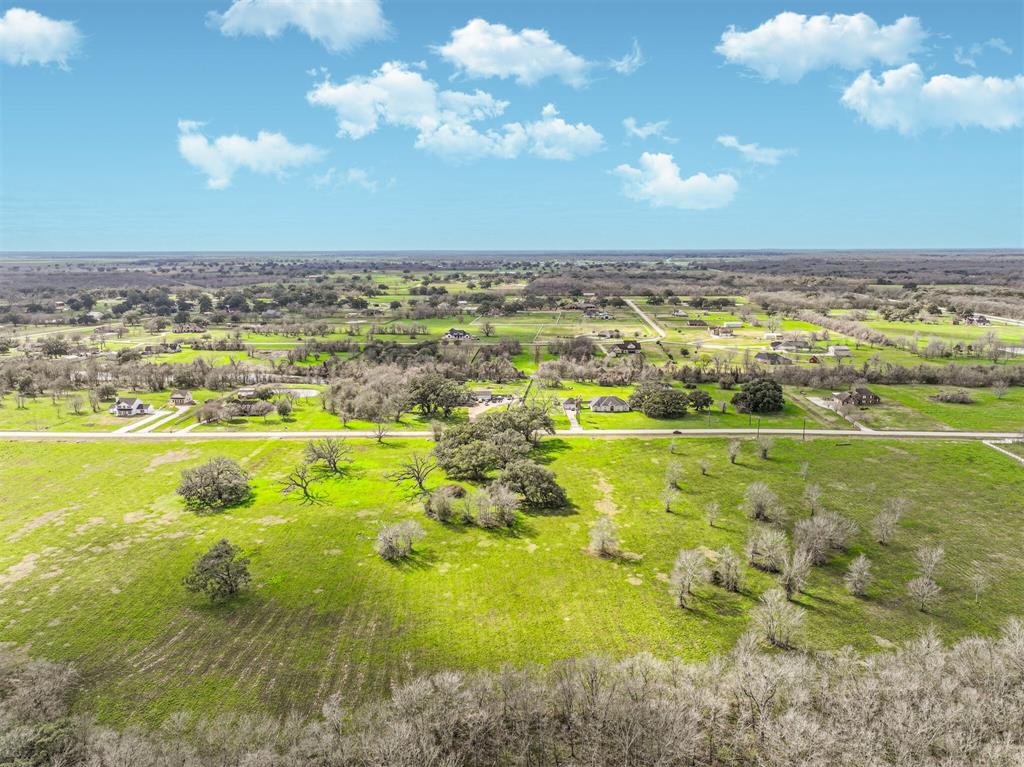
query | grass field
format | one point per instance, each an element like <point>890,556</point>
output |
<point>43,414</point>
<point>91,566</point>
<point>909,407</point>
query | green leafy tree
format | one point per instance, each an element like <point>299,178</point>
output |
<point>535,483</point>
<point>759,396</point>
<point>216,484</point>
<point>220,573</point>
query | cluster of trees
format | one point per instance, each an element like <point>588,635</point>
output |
<point>495,440</point>
<point>656,400</point>
<point>921,705</point>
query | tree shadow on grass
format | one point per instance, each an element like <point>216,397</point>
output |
<point>549,449</point>
<point>210,511</point>
<point>569,509</point>
<point>417,560</point>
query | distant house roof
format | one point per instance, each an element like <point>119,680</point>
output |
<point>608,401</point>
<point>772,358</point>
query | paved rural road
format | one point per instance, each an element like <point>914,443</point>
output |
<point>92,436</point>
<point>654,326</point>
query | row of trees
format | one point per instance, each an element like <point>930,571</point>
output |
<point>922,704</point>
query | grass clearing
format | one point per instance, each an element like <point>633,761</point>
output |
<point>91,565</point>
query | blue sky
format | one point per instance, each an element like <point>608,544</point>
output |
<point>137,126</point>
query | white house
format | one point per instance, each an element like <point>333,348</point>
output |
<point>840,351</point>
<point>456,334</point>
<point>609,403</point>
<point>732,324</point>
<point>126,407</point>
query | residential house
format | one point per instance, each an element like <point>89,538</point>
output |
<point>181,397</point>
<point>680,313</point>
<point>814,359</point>
<point>456,334</point>
<point>861,396</point>
<point>248,393</point>
<point>722,331</point>
<point>839,351</point>
<point>125,407</point>
<point>483,395</point>
<point>626,347</point>
<point>696,323</point>
<point>609,403</point>
<point>732,324</point>
<point>771,358</point>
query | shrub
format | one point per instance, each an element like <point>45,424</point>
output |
<point>604,538</point>
<point>216,484</point>
<point>395,542</point>
<point>956,397</point>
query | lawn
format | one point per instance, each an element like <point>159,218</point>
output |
<point>91,567</point>
<point>42,413</point>
<point>909,407</point>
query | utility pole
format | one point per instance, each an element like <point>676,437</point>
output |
<point>803,437</point>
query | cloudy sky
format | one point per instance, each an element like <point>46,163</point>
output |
<point>355,124</point>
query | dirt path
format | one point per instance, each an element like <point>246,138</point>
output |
<point>654,326</point>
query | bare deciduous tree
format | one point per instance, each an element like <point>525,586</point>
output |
<point>735,446</point>
<point>331,456</point>
<point>796,568</point>
<point>924,592</point>
<point>416,468</point>
<point>669,495</point>
<point>762,504</point>
<point>727,569</point>
<point>858,576</point>
<point>812,497</point>
<point>764,444</point>
<point>711,512</point>
<point>690,568</point>
<point>777,620</point>
<point>928,559</point>
<point>301,480</point>
<point>767,548</point>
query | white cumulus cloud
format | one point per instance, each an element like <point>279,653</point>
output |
<point>552,138</point>
<point>629,63</point>
<point>27,37</point>
<point>763,155</point>
<point>903,99</point>
<point>482,49</point>
<point>339,25</point>
<point>790,45</point>
<point>445,121</point>
<point>269,153</point>
<point>659,182</point>
<point>647,130</point>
